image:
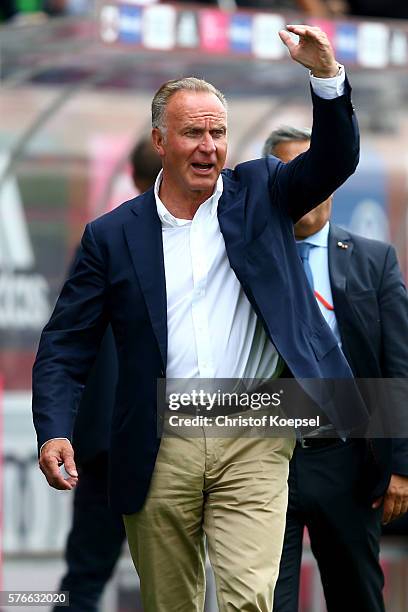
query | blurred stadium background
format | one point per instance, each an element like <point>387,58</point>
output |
<point>75,95</point>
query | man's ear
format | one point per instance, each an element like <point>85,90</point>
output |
<point>158,141</point>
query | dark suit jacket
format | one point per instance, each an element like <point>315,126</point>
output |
<point>91,434</point>
<point>119,278</point>
<point>371,306</point>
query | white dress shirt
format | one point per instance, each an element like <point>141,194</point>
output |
<point>212,329</point>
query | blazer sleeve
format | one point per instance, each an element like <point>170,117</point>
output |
<point>393,305</point>
<point>312,177</point>
<point>69,344</point>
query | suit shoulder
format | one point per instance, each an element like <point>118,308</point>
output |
<point>254,170</point>
<point>366,245</point>
<point>122,213</point>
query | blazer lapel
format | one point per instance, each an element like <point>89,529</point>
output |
<point>144,239</point>
<point>231,217</point>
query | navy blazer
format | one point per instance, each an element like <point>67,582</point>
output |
<point>371,306</point>
<point>119,278</point>
<point>91,435</point>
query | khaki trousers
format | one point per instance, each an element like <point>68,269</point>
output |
<point>233,490</point>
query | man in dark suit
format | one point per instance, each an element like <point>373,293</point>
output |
<point>91,558</point>
<point>183,274</point>
<point>340,489</point>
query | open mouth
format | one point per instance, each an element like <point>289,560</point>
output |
<point>202,167</point>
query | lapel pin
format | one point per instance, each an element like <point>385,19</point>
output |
<point>342,245</point>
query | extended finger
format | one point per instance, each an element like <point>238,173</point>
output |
<point>69,464</point>
<point>70,468</point>
<point>302,30</point>
<point>287,40</point>
<point>388,511</point>
<point>396,511</point>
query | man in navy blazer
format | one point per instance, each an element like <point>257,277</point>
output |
<point>200,278</point>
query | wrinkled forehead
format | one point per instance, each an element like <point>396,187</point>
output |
<point>192,107</point>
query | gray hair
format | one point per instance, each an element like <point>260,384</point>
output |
<point>285,133</point>
<point>168,89</point>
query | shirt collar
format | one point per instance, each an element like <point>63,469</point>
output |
<point>320,238</point>
<point>170,220</point>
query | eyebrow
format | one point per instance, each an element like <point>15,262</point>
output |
<point>196,128</point>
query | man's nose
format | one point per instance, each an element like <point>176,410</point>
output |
<point>207,143</point>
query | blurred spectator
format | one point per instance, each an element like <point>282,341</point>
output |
<point>316,8</point>
<point>145,164</point>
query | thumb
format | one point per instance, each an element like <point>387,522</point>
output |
<point>69,463</point>
<point>377,503</point>
<point>287,40</point>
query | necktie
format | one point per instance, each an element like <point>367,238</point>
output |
<point>304,251</point>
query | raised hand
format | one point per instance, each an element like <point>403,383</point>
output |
<point>313,50</point>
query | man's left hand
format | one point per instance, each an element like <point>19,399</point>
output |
<point>395,499</point>
<point>313,50</point>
